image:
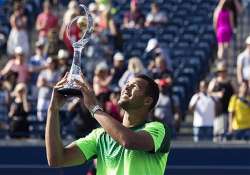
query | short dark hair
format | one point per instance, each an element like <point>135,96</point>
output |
<point>151,90</point>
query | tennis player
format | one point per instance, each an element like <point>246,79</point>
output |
<point>135,147</point>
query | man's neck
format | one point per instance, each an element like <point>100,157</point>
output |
<point>132,119</point>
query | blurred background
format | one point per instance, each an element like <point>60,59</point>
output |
<point>198,52</point>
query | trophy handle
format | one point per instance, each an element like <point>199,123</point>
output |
<point>87,33</point>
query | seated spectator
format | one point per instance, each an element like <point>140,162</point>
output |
<point>53,44</point>
<point>17,65</point>
<point>155,17</point>
<point>63,61</point>
<point>112,107</point>
<point>18,36</point>
<point>82,122</point>
<point>239,110</point>
<point>204,108</point>
<point>243,63</point>
<point>93,9</point>
<point>118,68</point>
<point>221,89</point>
<point>46,80</point>
<point>36,64</point>
<point>135,67</point>
<point>75,32</point>
<point>101,82</point>
<point>167,108</point>
<point>97,50</point>
<point>133,18</point>
<point>46,21</point>
<point>107,26</point>
<point>19,126</point>
<point>161,70</point>
<point>154,49</point>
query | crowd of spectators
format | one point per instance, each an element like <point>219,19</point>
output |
<point>40,53</point>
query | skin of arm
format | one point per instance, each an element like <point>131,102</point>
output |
<point>26,106</point>
<point>230,121</point>
<point>6,68</point>
<point>215,18</point>
<point>211,92</point>
<point>57,154</point>
<point>129,139</point>
<point>191,107</point>
<point>12,110</point>
<point>239,73</point>
<point>231,20</point>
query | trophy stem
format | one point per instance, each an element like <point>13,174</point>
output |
<point>71,88</point>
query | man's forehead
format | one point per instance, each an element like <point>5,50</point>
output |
<point>137,81</point>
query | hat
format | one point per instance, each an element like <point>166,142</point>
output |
<point>50,60</point>
<point>221,67</point>
<point>40,43</point>
<point>62,54</point>
<point>72,5</point>
<point>152,43</point>
<point>19,50</point>
<point>248,40</point>
<point>118,56</point>
<point>101,66</point>
<point>92,7</point>
<point>103,7</point>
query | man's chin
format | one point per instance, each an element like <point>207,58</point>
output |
<point>123,103</point>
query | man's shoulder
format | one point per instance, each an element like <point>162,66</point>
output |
<point>159,125</point>
<point>243,55</point>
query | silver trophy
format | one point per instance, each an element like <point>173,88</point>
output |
<point>85,23</point>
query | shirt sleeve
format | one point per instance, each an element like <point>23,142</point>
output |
<point>193,100</point>
<point>231,106</point>
<point>88,144</point>
<point>239,59</point>
<point>160,134</point>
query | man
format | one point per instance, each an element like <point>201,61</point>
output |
<point>131,148</point>
<point>203,107</point>
<point>243,63</point>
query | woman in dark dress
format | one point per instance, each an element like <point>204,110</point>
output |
<point>19,127</point>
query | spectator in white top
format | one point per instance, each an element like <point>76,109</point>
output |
<point>155,17</point>
<point>243,63</point>
<point>203,107</point>
<point>155,49</point>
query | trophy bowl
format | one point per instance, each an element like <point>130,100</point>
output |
<point>84,22</point>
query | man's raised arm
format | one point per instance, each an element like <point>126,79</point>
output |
<point>57,154</point>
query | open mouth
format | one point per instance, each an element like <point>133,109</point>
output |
<point>126,94</point>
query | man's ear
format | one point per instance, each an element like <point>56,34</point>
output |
<point>148,101</point>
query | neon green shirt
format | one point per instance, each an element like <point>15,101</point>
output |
<point>113,159</point>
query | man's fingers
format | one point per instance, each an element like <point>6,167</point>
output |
<point>85,81</point>
<point>63,80</point>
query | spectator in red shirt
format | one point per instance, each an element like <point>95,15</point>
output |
<point>46,20</point>
<point>17,65</point>
<point>75,32</point>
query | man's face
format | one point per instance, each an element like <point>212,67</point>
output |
<point>133,94</point>
<point>203,87</point>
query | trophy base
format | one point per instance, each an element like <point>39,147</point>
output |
<point>70,92</point>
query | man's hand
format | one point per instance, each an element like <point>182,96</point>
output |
<point>89,98</point>
<point>57,99</point>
